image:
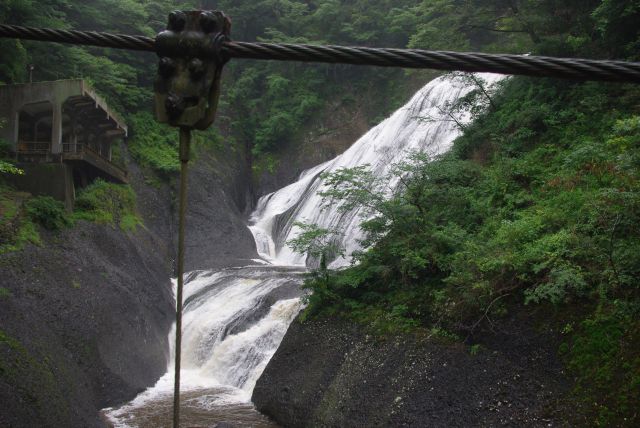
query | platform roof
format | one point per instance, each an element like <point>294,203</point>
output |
<point>77,93</point>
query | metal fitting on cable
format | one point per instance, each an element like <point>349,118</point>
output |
<point>187,87</point>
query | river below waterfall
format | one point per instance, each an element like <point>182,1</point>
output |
<point>207,407</point>
<point>235,319</point>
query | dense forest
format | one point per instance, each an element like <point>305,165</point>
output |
<point>264,103</point>
<point>536,209</point>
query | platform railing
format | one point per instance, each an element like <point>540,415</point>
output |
<point>80,148</point>
<point>34,147</point>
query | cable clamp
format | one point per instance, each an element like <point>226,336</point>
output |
<point>187,86</point>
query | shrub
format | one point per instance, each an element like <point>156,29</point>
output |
<point>16,227</point>
<point>108,203</point>
<point>47,212</point>
<point>6,166</point>
<point>605,359</point>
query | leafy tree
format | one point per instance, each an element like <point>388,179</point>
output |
<point>316,242</point>
<point>537,204</point>
<point>470,107</point>
<point>47,212</point>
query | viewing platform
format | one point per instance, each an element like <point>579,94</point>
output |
<point>61,126</point>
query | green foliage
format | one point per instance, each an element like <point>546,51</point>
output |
<point>6,166</point>
<point>605,357</point>
<point>154,145</point>
<point>130,222</point>
<point>575,27</point>
<point>475,349</point>
<point>108,203</point>
<point>268,105</point>
<point>9,168</point>
<point>538,203</point>
<point>16,228</point>
<point>616,24</point>
<point>26,233</point>
<point>10,342</point>
<point>47,212</point>
<point>315,242</point>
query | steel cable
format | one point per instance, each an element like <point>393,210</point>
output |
<point>539,66</point>
<point>91,38</point>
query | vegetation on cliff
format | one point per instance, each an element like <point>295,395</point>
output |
<point>536,205</point>
<point>108,203</point>
<point>21,214</point>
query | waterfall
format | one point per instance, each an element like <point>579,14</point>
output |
<point>421,125</point>
<point>235,319</point>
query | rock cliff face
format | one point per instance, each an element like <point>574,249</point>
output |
<point>217,234</point>
<point>218,201</point>
<point>332,373</point>
<point>83,325</point>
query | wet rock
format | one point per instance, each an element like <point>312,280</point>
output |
<point>336,376</point>
<point>86,330</point>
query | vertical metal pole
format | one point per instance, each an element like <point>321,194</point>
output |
<point>185,142</point>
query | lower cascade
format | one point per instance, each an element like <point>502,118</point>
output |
<point>235,319</point>
<point>233,322</point>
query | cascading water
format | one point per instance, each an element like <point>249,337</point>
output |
<point>233,322</point>
<point>421,125</point>
<point>235,319</point>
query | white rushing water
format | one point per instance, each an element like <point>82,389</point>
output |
<point>233,322</point>
<point>235,319</point>
<point>404,132</point>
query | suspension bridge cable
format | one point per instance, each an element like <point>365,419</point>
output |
<point>539,66</point>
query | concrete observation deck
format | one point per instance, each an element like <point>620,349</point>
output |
<point>60,126</point>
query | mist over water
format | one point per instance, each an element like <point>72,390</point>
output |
<point>235,319</point>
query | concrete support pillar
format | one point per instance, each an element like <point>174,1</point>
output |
<point>56,128</point>
<point>10,131</point>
